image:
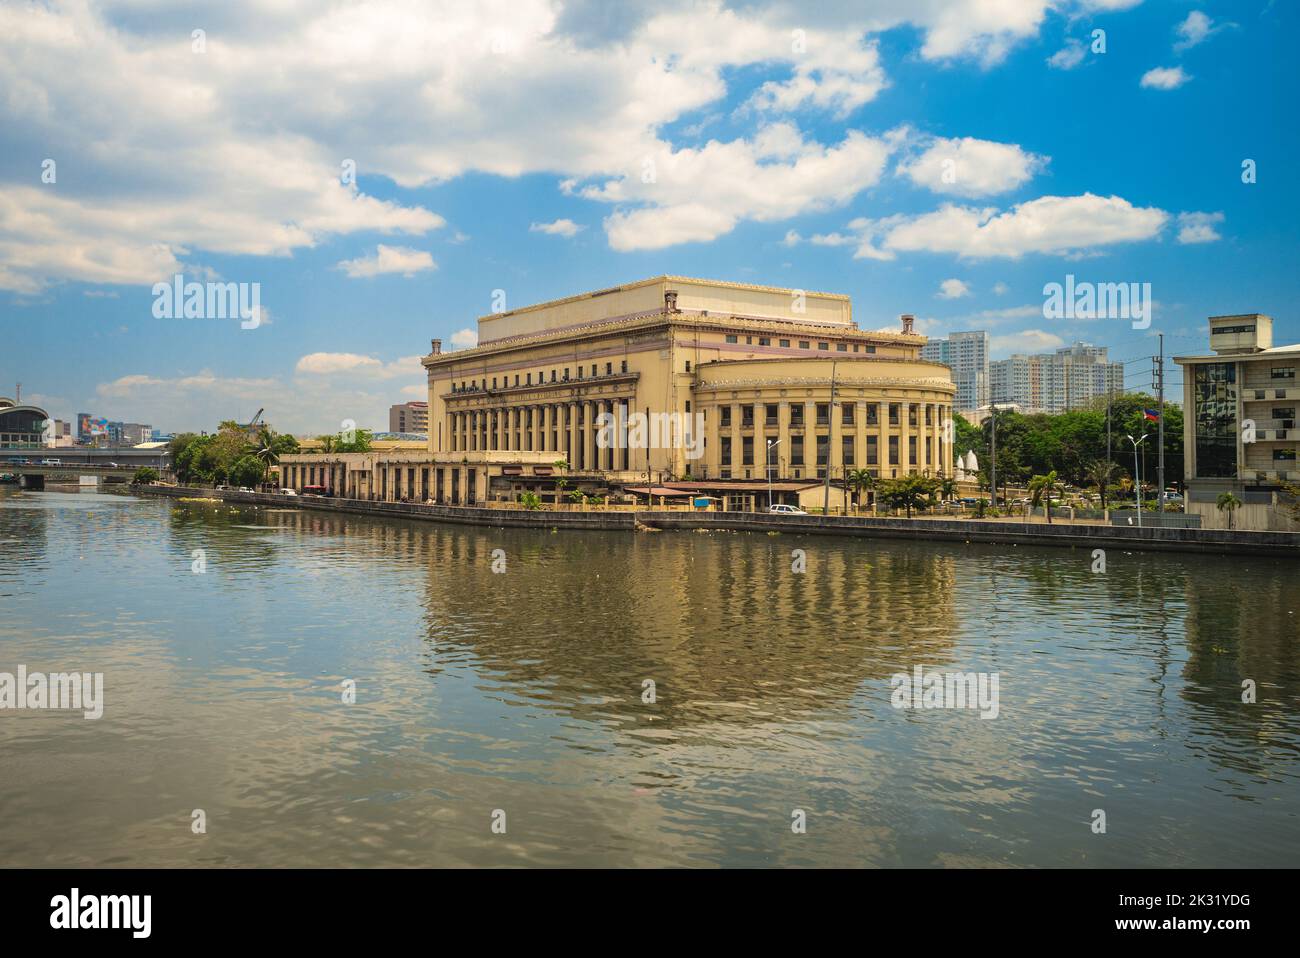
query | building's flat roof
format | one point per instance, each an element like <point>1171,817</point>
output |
<point>1226,357</point>
<point>653,280</point>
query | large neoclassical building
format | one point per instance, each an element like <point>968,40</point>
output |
<point>756,381</point>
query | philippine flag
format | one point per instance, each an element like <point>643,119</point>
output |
<point>1150,415</point>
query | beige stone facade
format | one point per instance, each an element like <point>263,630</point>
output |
<point>726,379</point>
<point>758,364</point>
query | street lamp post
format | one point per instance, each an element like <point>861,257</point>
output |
<point>767,462</point>
<point>1137,476</point>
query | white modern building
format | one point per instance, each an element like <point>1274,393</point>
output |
<point>967,355</point>
<point>1069,378</point>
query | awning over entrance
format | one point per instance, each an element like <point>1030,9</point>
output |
<point>658,491</point>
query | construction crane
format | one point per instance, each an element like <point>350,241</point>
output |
<point>251,428</point>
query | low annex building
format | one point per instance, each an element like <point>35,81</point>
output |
<point>668,378</point>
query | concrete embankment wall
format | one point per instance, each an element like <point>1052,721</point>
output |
<point>407,510</point>
<point>966,530</point>
<point>1284,544</point>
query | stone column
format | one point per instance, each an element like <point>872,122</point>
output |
<point>834,442</point>
<point>589,436</point>
<point>572,442</point>
<point>810,439</point>
<point>737,441</point>
<point>860,435</point>
<point>904,435</point>
<point>712,446</point>
<point>882,441</point>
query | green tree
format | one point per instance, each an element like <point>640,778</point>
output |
<point>530,501</point>
<point>271,446</point>
<point>245,471</point>
<point>859,480</point>
<point>144,476</point>
<point>1102,473</point>
<point>913,491</point>
<point>1227,503</point>
<point>1040,486</point>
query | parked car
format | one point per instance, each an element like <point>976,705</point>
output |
<point>51,462</point>
<point>245,489</point>
<point>288,492</point>
<point>783,510</point>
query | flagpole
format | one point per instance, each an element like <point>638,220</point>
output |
<point>1160,408</point>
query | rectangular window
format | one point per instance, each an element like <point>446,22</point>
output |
<point>871,349</point>
<point>724,416</point>
<point>726,451</point>
<point>609,369</point>
<point>785,344</point>
<point>911,450</point>
<point>770,414</point>
<point>823,345</point>
<point>846,450</point>
<point>893,450</point>
<point>747,451</point>
<point>623,367</point>
<point>530,379</point>
<point>733,339</point>
<point>1215,396</point>
<point>552,375</point>
<point>1284,455</point>
<point>846,414</point>
<point>764,341</point>
<point>796,415</point>
<point>804,344</point>
<point>841,347</point>
<point>688,365</point>
<point>872,415</point>
<point>823,414</point>
<point>873,450</point>
<point>911,415</point>
<point>747,416</point>
<point>1283,372</point>
<point>823,449</point>
<point>796,450</point>
<point>893,414</point>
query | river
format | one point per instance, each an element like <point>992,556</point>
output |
<point>503,715</point>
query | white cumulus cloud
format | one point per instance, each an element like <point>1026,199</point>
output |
<point>1164,78</point>
<point>389,259</point>
<point>970,167</point>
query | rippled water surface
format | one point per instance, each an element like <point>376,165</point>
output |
<point>522,692</point>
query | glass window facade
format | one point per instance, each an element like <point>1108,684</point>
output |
<point>1216,420</point>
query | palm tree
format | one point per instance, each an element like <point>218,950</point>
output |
<point>858,480</point>
<point>1040,486</point>
<point>947,488</point>
<point>270,446</point>
<point>1102,473</point>
<point>1228,503</point>
<point>327,443</point>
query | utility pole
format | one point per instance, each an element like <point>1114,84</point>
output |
<point>1160,424</point>
<point>1110,392</point>
<point>826,498</point>
<point>993,454</point>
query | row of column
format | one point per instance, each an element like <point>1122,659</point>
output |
<point>930,456</point>
<point>569,428</point>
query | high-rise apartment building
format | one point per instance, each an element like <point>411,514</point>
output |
<point>409,417</point>
<point>1069,378</point>
<point>967,355</point>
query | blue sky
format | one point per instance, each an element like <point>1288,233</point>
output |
<point>545,149</point>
